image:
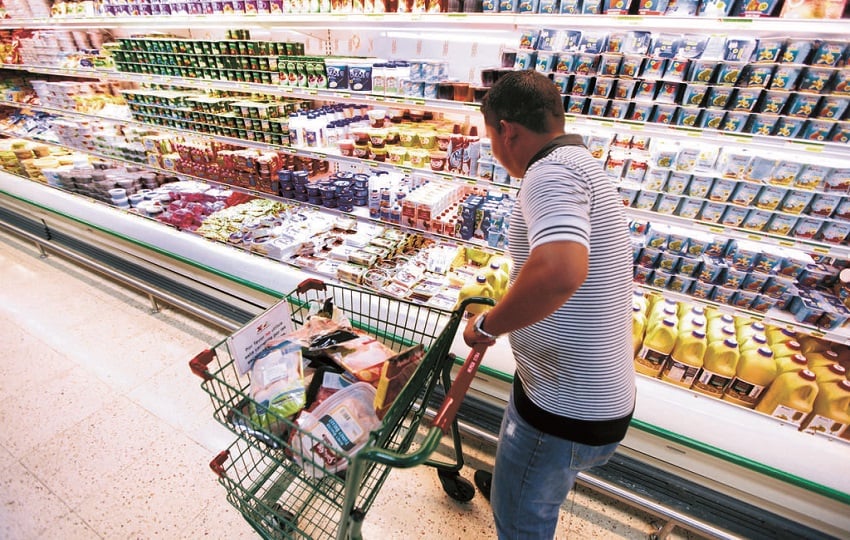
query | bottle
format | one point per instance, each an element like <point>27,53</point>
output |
<point>831,373</point>
<point>830,410</point>
<point>811,344</point>
<point>716,322</point>
<point>776,334</point>
<point>641,300</point>
<point>638,326</point>
<point>686,358</point>
<point>755,341</point>
<point>748,329</point>
<point>497,277</point>
<point>755,371</point>
<point>785,348</point>
<point>721,334</point>
<point>790,397</point>
<point>793,362</point>
<point>476,287</point>
<point>823,358</point>
<point>718,368</point>
<point>692,322</point>
<point>659,311</point>
<point>656,346</point>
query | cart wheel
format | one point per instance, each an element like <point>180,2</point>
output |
<point>283,520</point>
<point>456,486</point>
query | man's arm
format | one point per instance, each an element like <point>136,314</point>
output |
<point>550,276</point>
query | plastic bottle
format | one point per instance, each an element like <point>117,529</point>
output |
<point>497,278</point>
<point>830,410</point>
<point>755,371</point>
<point>641,300</point>
<point>823,358</point>
<point>831,373</point>
<point>718,368</point>
<point>790,397</point>
<point>811,344</point>
<point>660,311</point>
<point>638,326</point>
<point>716,321</point>
<point>793,362</point>
<point>754,342</point>
<point>747,329</point>
<point>776,334</point>
<point>657,344</point>
<point>785,348</point>
<point>686,358</point>
<point>692,322</point>
<point>476,287</point>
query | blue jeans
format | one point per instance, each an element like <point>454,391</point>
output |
<point>532,476</point>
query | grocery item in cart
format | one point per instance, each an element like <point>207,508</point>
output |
<point>335,430</point>
<point>277,383</point>
<point>395,373</point>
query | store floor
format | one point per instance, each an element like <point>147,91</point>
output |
<point>107,434</point>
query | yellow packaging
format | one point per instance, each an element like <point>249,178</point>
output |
<point>748,329</point>
<point>776,334</point>
<point>638,326</point>
<point>790,397</point>
<point>477,287</point>
<point>810,344</point>
<point>831,410</point>
<point>691,322</point>
<point>497,277</point>
<point>685,359</point>
<point>755,371</point>
<point>641,300</point>
<point>822,358</point>
<point>718,368</point>
<point>656,346</point>
<point>829,374</point>
<point>785,348</point>
<point>752,343</point>
<point>794,362</point>
<point>660,310</point>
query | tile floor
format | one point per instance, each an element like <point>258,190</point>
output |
<point>107,434</point>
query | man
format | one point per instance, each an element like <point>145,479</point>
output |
<point>567,311</point>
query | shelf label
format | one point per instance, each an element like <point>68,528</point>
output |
<point>755,237</point>
<point>807,146</point>
<point>821,250</point>
<point>817,334</point>
<point>786,243</point>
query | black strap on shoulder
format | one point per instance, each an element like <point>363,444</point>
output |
<point>567,139</point>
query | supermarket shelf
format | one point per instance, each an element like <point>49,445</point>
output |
<point>460,21</point>
<point>812,150</point>
<point>327,154</point>
<point>359,213</point>
<point>821,248</point>
<point>774,316</point>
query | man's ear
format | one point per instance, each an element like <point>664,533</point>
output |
<point>509,130</point>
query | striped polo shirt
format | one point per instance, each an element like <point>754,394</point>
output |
<point>575,374</point>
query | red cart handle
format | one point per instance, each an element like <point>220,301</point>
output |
<point>217,463</point>
<point>199,364</point>
<point>310,284</point>
<point>454,397</point>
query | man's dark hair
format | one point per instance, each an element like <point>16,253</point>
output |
<point>526,97</point>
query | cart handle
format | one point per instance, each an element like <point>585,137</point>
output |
<point>217,463</point>
<point>199,364</point>
<point>310,284</point>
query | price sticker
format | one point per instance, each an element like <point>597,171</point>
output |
<point>821,250</point>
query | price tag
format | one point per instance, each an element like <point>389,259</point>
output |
<point>821,250</point>
<point>786,243</point>
<point>817,333</point>
<point>755,237</point>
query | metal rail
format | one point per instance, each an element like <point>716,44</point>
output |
<point>153,293</point>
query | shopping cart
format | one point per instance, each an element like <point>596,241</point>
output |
<point>262,470</point>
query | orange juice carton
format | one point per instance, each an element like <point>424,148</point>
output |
<point>700,186</point>
<point>807,227</point>
<point>835,232</point>
<point>690,208</point>
<point>812,176</point>
<point>838,180</point>
<point>734,216</point>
